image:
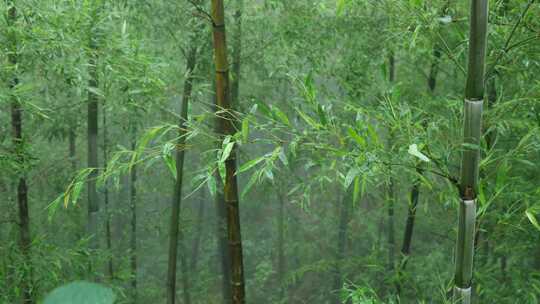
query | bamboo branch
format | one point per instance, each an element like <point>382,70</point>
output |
<point>506,47</point>
<point>203,13</point>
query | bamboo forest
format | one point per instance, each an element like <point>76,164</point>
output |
<point>269,151</point>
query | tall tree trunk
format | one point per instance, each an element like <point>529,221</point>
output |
<point>344,217</point>
<point>391,195</point>
<point>281,246</point>
<point>221,221</point>
<point>177,198</point>
<point>200,225</point>
<point>504,274</point>
<point>390,227</point>
<point>391,67</point>
<point>221,225</point>
<point>473,104</point>
<point>434,69</point>
<point>184,269</point>
<point>226,126</point>
<point>536,261</point>
<point>106,197</point>
<point>295,259</point>
<point>415,189</point>
<point>93,204</point>
<point>18,143</point>
<point>391,183</point>
<point>133,207</point>
<point>72,138</point>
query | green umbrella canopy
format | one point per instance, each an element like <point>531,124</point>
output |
<point>81,293</point>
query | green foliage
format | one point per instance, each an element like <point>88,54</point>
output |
<point>317,116</point>
<point>359,295</point>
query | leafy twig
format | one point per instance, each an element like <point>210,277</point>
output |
<point>506,47</point>
<point>199,9</point>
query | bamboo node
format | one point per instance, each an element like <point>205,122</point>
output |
<point>468,194</point>
<point>462,295</point>
<point>474,101</point>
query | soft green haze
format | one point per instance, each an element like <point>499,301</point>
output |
<point>279,151</point>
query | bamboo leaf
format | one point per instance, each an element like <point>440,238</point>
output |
<point>310,92</point>
<point>264,109</point>
<point>481,194</point>
<point>502,173</point>
<point>76,193</point>
<point>322,115</point>
<point>532,219</point>
<point>308,119</point>
<point>167,156</point>
<point>425,181</point>
<point>364,184</point>
<point>351,175</point>
<point>356,190</point>
<point>269,174</point>
<point>415,3</point>
<point>281,116</point>
<point>212,187</point>
<point>171,165</point>
<point>251,182</point>
<point>222,171</point>
<point>360,140</point>
<point>250,164</point>
<point>283,157</point>
<point>413,150</point>
<point>53,206</point>
<point>147,137</point>
<point>226,152</point>
<point>340,6</point>
<point>373,135</point>
<point>245,130</point>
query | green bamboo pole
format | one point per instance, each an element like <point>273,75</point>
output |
<point>25,240</point>
<point>226,125</point>
<point>92,131</point>
<point>108,240</point>
<point>174,233</point>
<point>133,207</point>
<point>472,129</point>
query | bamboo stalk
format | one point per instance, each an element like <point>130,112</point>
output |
<point>108,240</point>
<point>92,137</point>
<point>221,223</point>
<point>25,239</point>
<point>344,208</point>
<point>227,127</point>
<point>133,207</point>
<point>472,129</point>
<point>177,197</point>
<point>200,229</point>
<point>281,245</point>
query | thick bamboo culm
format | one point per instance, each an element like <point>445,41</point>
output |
<point>226,125</point>
<point>472,131</point>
